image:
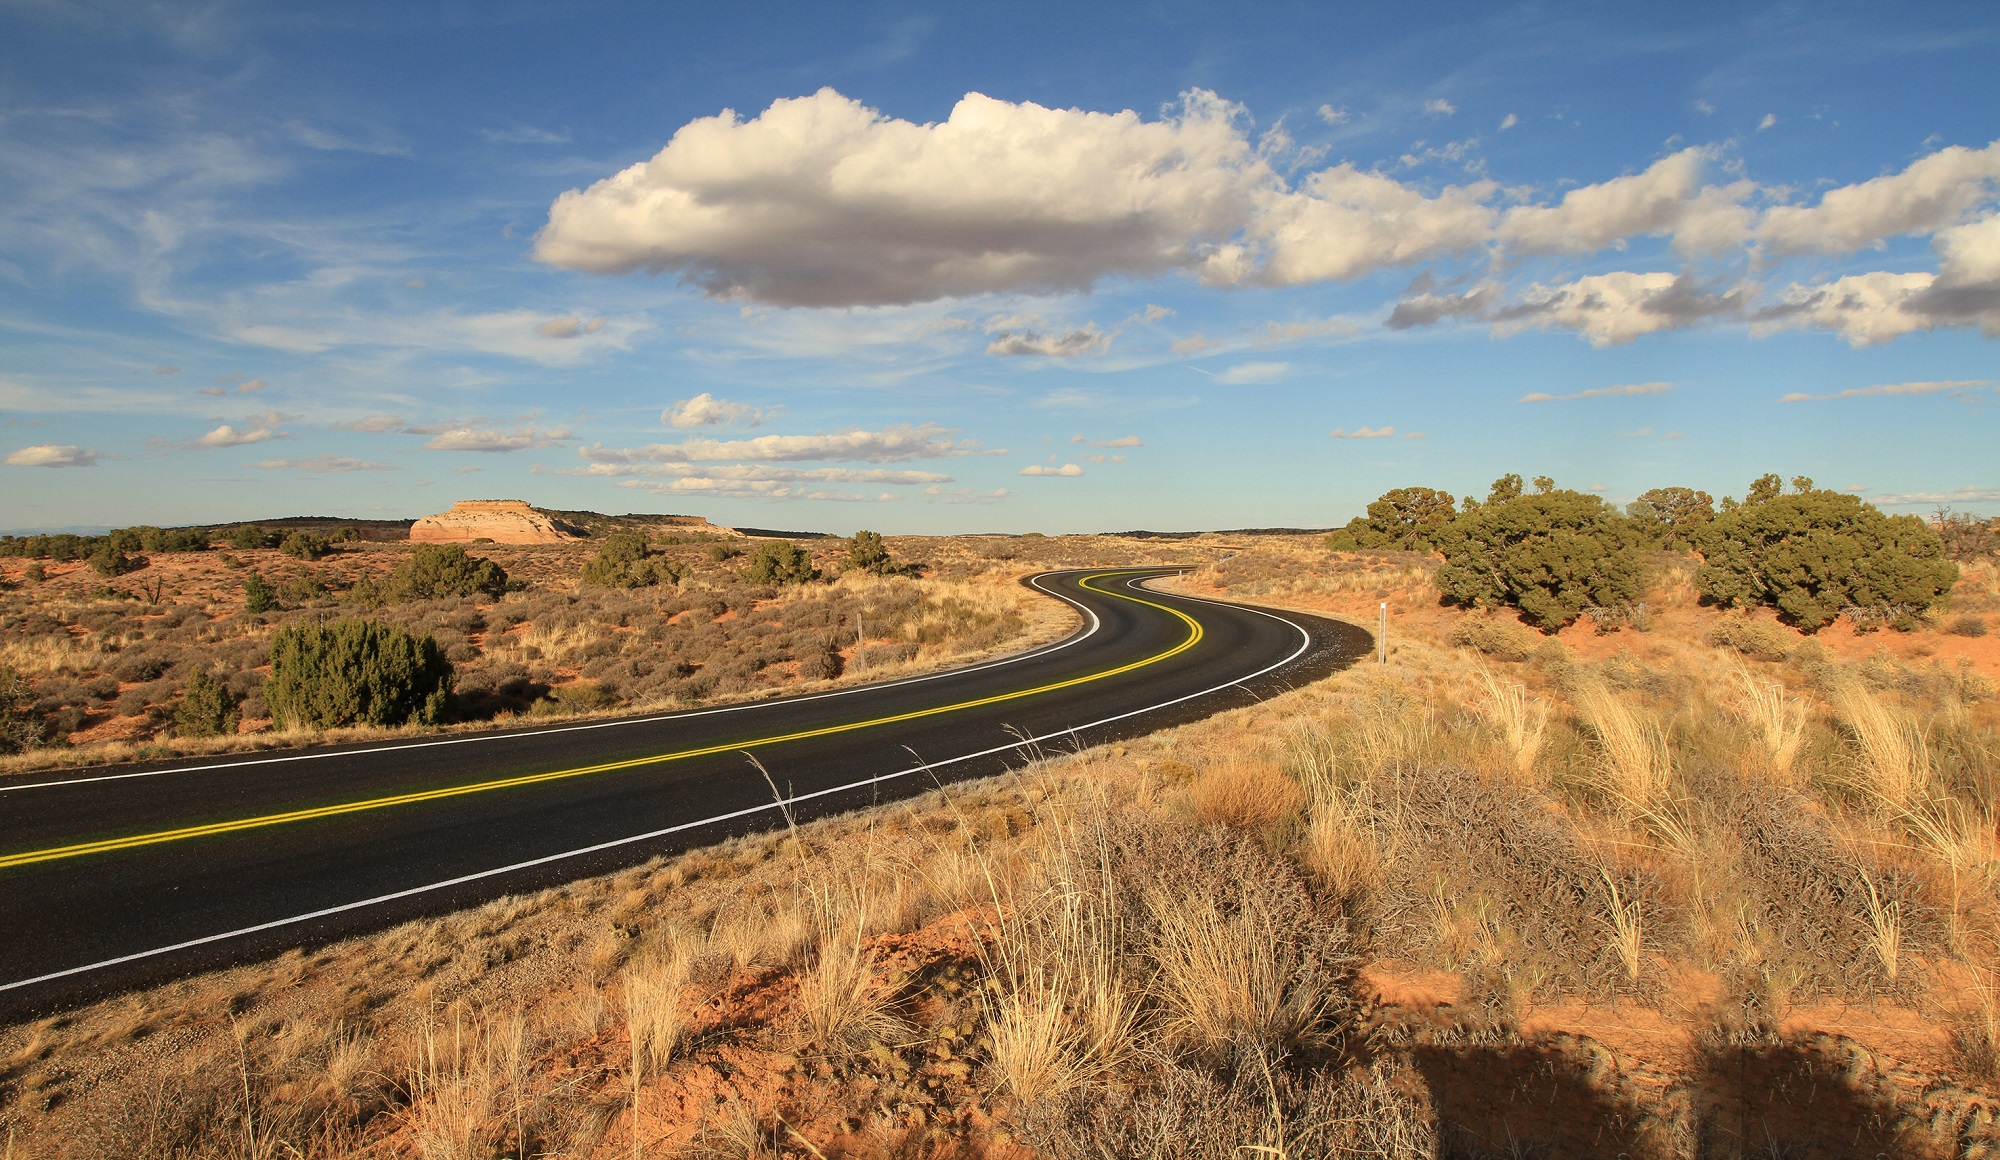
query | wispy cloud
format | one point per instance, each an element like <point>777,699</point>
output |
<point>1625,390</point>
<point>1254,372</point>
<point>1067,469</point>
<point>1953,386</point>
<point>1363,433</point>
<point>322,465</point>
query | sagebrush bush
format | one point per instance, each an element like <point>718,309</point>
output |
<point>1500,639</point>
<point>1756,639</point>
<point>1968,625</point>
<point>356,672</point>
<point>207,707</point>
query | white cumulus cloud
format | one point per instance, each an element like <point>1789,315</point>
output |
<point>705,410</point>
<point>486,439</point>
<point>1668,198</point>
<point>1067,469</point>
<point>1932,193</point>
<point>52,455</point>
<point>1083,340</point>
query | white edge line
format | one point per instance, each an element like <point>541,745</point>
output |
<point>1304,644</point>
<point>681,715</point>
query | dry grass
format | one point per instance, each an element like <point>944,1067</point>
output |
<point>1244,794</point>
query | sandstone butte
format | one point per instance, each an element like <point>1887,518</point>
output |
<point>504,521</point>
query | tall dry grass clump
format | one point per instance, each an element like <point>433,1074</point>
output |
<point>655,985</point>
<point>1777,721</point>
<point>1227,979</point>
<point>457,1081</point>
<point>1244,793</point>
<point>1521,719</point>
<point>1893,759</point>
<point>841,1003</point>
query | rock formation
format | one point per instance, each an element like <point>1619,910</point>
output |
<point>504,521</point>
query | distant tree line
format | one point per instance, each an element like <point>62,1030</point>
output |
<point>1551,552</point>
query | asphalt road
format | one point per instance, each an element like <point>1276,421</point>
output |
<point>126,876</point>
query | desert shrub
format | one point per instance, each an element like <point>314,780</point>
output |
<point>258,595</point>
<point>110,560</point>
<point>1551,554</point>
<point>36,573</point>
<point>1501,639</point>
<point>304,587</point>
<point>438,570</point>
<point>581,697</point>
<point>779,562</point>
<point>20,726</point>
<point>251,536</point>
<point>142,664</point>
<point>207,707</point>
<point>722,553</point>
<point>821,662</point>
<point>1813,554</point>
<point>1407,518</point>
<point>356,672</point>
<point>1757,639</point>
<point>305,546</point>
<point>625,561</point>
<point>1968,625</point>
<point>152,539</point>
<point>867,553</point>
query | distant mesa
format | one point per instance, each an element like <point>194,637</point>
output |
<point>514,521</point>
<point>504,521</point>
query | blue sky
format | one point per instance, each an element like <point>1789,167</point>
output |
<point>1006,267</point>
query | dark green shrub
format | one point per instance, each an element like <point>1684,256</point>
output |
<point>1670,516</point>
<point>37,573</point>
<point>207,708</point>
<point>356,672</point>
<point>626,562</point>
<point>721,553</point>
<point>434,571</point>
<point>249,536</point>
<point>258,595</point>
<point>305,546</point>
<point>110,560</point>
<point>867,553</point>
<point>779,562</point>
<point>1407,518</point>
<point>1550,553</point>
<point>1812,554</point>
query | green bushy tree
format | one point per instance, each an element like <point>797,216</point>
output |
<point>434,571</point>
<point>110,560</point>
<point>1812,553</point>
<point>1407,519</point>
<point>1670,516</point>
<point>258,595</point>
<point>356,672</point>
<point>867,553</point>
<point>207,708</point>
<point>305,546</point>
<point>779,562</point>
<point>250,536</point>
<point>626,561</point>
<point>1551,553</point>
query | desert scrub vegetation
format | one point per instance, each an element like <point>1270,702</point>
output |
<point>1688,903</point>
<point>104,669</point>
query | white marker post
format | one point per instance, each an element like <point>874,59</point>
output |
<point>860,644</point>
<point>1382,634</point>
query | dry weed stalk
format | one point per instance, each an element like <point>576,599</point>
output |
<point>454,1085</point>
<point>1885,928</point>
<point>1520,719</point>
<point>1628,938</point>
<point>1779,721</point>
<point>654,987</point>
<point>1632,751</point>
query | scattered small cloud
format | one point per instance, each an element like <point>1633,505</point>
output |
<point>166,370</point>
<point>1332,115</point>
<point>52,455</point>
<point>1121,441</point>
<point>569,327</point>
<point>494,441</point>
<point>1931,498</point>
<point>322,465</point>
<point>1439,107</point>
<point>1414,435</point>
<point>1952,386</point>
<point>1600,393</point>
<point>466,470</point>
<point>1702,106</point>
<point>1508,122</point>
<point>524,135</point>
<point>1067,469</point>
<point>938,494</point>
<point>1366,433</point>
<point>1084,340</point>
<point>900,441</point>
<point>1254,372</point>
<point>705,410</point>
<point>1193,344</point>
<point>255,429</point>
<point>212,392</point>
<point>251,387</point>
<point>372,425</point>
<point>1769,120</point>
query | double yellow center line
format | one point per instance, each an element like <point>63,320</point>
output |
<point>107,845</point>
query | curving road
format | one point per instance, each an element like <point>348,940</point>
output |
<point>125,876</point>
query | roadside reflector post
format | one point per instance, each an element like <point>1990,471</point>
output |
<point>1382,633</point>
<point>860,644</point>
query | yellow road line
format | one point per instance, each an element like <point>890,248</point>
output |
<point>109,844</point>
